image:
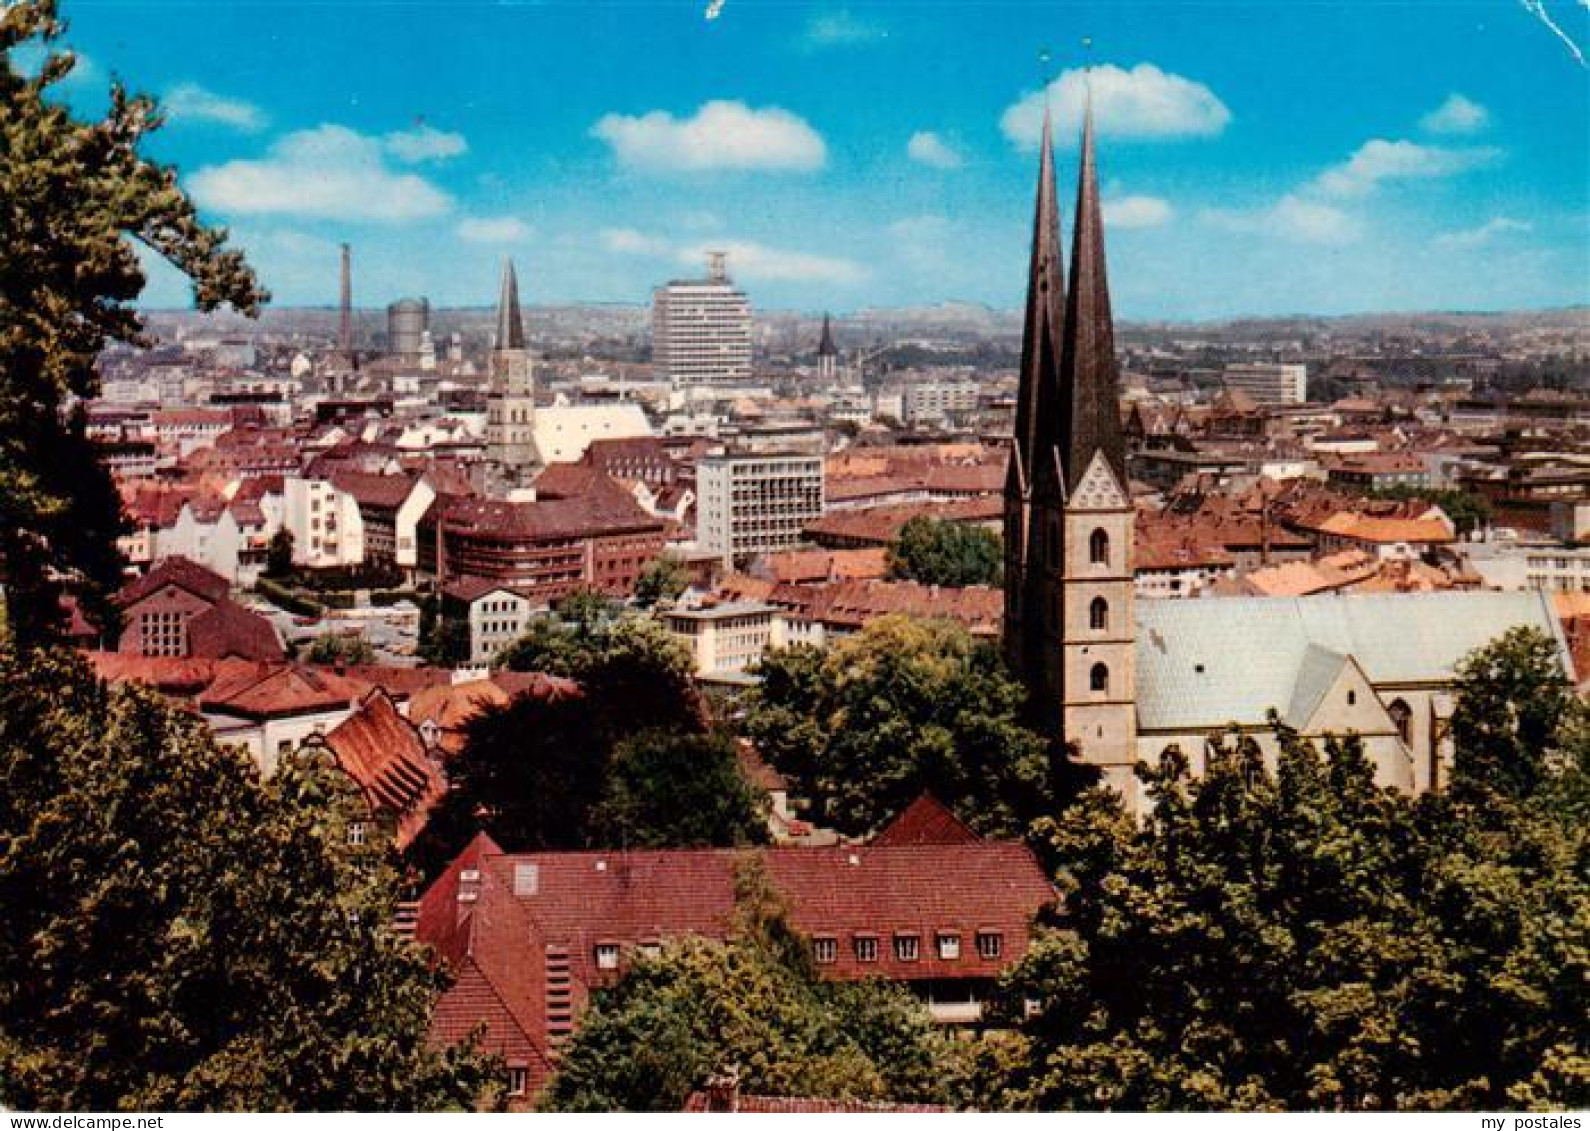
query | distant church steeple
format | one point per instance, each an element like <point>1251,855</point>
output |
<point>827,355</point>
<point>510,398</point>
<point>510,324</point>
<point>1069,523</point>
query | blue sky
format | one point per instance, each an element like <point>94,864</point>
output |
<point>1257,158</point>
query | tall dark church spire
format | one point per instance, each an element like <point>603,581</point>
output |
<point>1039,406</point>
<point>1089,374</point>
<point>1038,400</point>
<point>1070,631</point>
<point>510,326</point>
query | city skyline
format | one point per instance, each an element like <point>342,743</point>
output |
<point>874,155</point>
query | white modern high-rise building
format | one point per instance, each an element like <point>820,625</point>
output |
<point>755,504</point>
<point>701,330</point>
<point>1269,382</point>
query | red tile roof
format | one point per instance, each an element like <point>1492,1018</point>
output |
<point>509,918</point>
<point>927,820</point>
<point>881,525</point>
<point>384,491</point>
<point>279,691</point>
<point>181,572</point>
<point>379,750</point>
<point>227,630</point>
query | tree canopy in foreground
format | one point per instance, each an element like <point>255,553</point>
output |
<point>179,935</point>
<point>75,197</point>
<point>753,1005</point>
<point>864,727</point>
<point>1297,938</point>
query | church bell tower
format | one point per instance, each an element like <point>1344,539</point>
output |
<point>1069,523</point>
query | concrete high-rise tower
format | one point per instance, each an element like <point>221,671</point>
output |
<point>1070,628</point>
<point>701,330</point>
<point>510,398</point>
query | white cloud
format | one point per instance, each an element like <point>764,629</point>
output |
<point>629,241</point>
<point>424,143</point>
<point>1292,218</point>
<point>1380,160</point>
<point>1457,115</point>
<point>1137,212</point>
<point>1144,102</point>
<point>841,29</point>
<point>190,102</point>
<point>330,172</point>
<point>757,261</point>
<point>720,135</point>
<point>1484,234</point>
<point>928,148</point>
<point>493,229</point>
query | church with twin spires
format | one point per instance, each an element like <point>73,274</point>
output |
<point>1122,680</point>
<point>1069,621</point>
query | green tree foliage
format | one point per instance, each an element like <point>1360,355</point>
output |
<point>74,197</point>
<point>1515,711</point>
<point>904,706</point>
<point>699,1008</point>
<point>561,773</point>
<point>178,935</point>
<point>340,648</point>
<point>279,554</point>
<point>639,673</point>
<point>679,791</point>
<point>939,552</point>
<point>444,640</point>
<point>1302,939</point>
<point>661,581</point>
<point>1469,512</point>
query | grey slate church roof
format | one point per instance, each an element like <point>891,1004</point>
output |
<point>1204,663</point>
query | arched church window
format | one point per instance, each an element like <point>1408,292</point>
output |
<point>1099,614</point>
<point>1402,718</point>
<point>1099,678</point>
<point>1099,547</point>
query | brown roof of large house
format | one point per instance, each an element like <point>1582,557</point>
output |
<point>379,749</point>
<point>498,919</point>
<point>881,525</point>
<point>227,630</point>
<point>369,490</point>
<point>607,512</point>
<point>281,690</point>
<point>803,566</point>
<point>449,707</point>
<point>927,820</point>
<point>181,572</point>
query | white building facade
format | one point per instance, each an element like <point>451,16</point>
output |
<point>756,504</point>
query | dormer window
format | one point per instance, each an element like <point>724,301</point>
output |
<point>518,1080</point>
<point>949,946</point>
<point>356,833</point>
<point>990,944</point>
<point>607,956</point>
<point>825,950</point>
<point>907,948</point>
<point>866,948</point>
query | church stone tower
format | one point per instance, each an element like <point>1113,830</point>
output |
<point>1070,628</point>
<point>510,398</point>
